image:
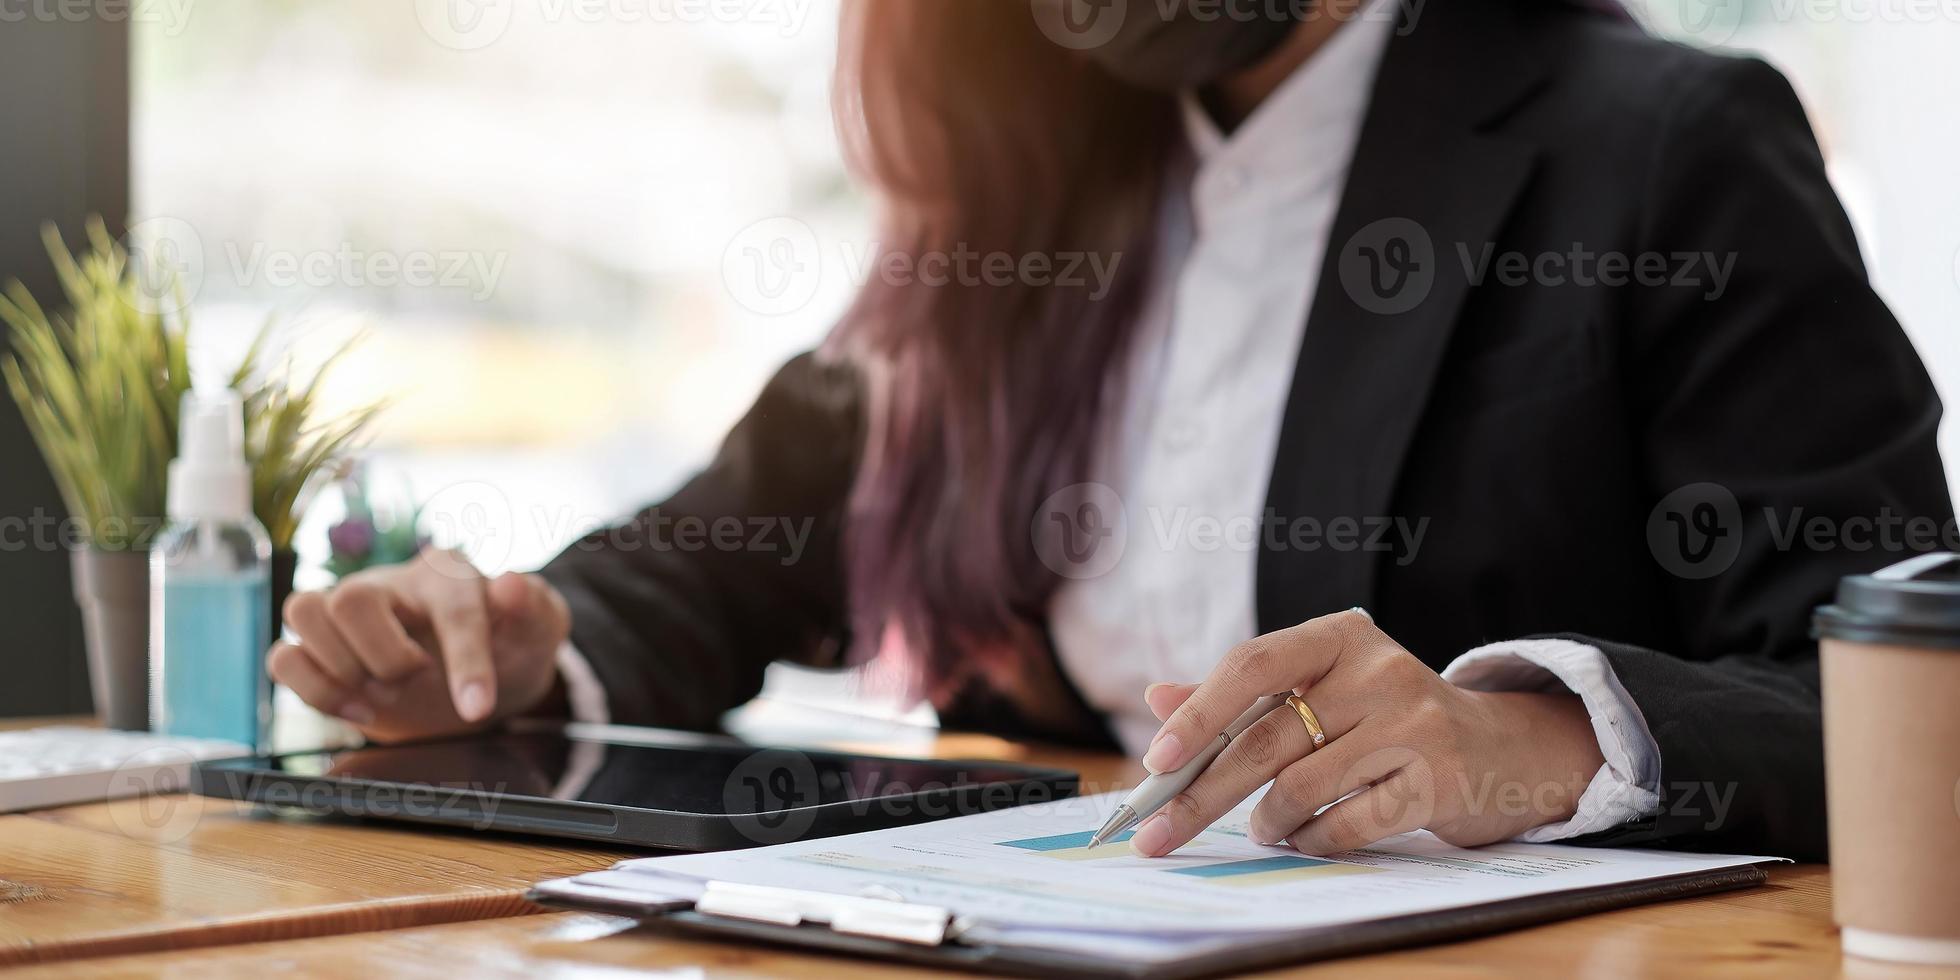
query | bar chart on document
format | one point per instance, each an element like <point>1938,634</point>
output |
<point>1026,878</point>
<point>1032,866</point>
<point>1233,872</point>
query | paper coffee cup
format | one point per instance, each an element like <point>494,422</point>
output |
<point>1891,683</point>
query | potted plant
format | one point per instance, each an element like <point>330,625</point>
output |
<point>99,390</point>
<point>99,386</point>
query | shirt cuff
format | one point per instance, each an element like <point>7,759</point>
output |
<point>582,688</point>
<point>1627,786</point>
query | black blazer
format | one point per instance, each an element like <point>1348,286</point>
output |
<point>1620,463</point>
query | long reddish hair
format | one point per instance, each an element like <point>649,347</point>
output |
<point>980,135</point>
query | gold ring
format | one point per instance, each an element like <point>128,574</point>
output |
<point>1314,731</point>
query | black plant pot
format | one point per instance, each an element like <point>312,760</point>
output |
<point>285,564</point>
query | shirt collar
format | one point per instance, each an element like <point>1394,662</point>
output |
<point>1322,101</point>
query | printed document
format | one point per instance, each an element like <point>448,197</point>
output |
<point>1026,876</point>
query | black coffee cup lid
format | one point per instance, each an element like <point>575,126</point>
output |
<point>1913,603</point>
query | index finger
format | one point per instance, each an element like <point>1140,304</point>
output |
<point>1249,762</point>
<point>1288,659</point>
<point>457,608</point>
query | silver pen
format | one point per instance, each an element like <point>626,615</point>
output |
<point>1151,794</point>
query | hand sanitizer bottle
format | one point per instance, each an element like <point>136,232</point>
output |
<point>210,586</point>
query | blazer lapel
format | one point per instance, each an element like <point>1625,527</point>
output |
<point>1425,177</point>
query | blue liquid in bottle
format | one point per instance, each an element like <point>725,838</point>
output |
<point>210,587</point>
<point>215,630</point>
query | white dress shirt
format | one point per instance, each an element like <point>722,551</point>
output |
<point>1244,234</point>
<point>1245,231</point>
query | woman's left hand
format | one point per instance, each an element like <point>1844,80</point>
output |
<point>1416,751</point>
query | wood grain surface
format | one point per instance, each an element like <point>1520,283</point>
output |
<point>177,871</point>
<point>181,886</point>
<point>1777,931</point>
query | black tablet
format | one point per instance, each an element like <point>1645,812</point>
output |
<point>631,786</point>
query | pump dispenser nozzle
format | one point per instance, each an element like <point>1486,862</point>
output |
<point>210,479</point>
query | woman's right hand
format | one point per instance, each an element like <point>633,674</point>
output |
<point>423,649</point>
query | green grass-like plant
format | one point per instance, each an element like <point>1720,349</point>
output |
<point>100,387</point>
<point>290,448</point>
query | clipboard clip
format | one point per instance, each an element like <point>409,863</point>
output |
<point>879,918</point>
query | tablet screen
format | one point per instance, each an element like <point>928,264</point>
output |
<point>710,778</point>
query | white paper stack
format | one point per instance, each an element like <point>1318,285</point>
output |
<point>1025,878</point>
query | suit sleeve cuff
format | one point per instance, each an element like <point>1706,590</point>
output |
<point>1627,786</point>
<point>582,688</point>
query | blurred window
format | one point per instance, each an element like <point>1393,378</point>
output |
<point>535,209</point>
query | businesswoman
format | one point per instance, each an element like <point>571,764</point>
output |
<point>1525,332</point>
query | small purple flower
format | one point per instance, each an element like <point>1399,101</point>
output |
<point>352,538</point>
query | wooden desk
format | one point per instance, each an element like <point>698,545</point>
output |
<point>176,872</point>
<point>1778,931</point>
<point>205,888</point>
<point>179,871</point>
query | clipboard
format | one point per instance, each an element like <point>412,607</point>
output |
<point>931,936</point>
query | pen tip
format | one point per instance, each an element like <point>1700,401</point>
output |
<point>1117,823</point>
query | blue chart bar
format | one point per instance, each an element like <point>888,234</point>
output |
<point>1270,870</point>
<point>1250,867</point>
<point>1064,842</point>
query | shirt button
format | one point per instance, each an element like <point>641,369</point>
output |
<point>1232,180</point>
